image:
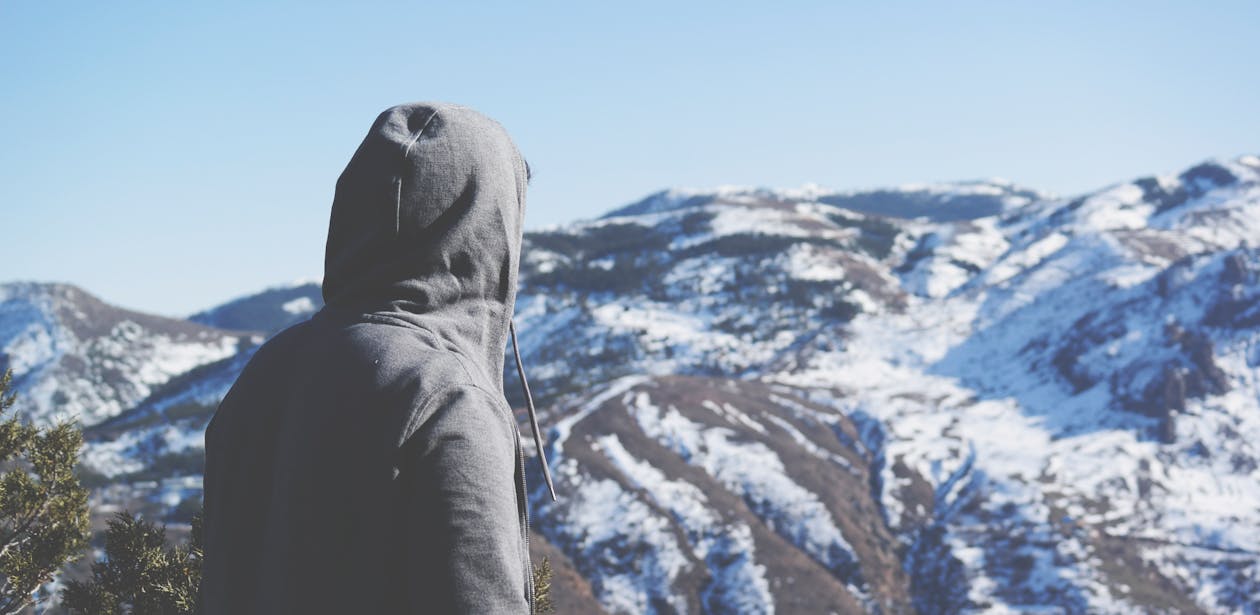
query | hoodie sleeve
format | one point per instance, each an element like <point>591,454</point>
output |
<point>464,540</point>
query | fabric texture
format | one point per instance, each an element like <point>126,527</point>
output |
<point>366,460</point>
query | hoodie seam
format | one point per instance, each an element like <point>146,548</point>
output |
<point>397,207</point>
<point>394,321</point>
<point>413,424</point>
<point>402,323</point>
<point>398,181</point>
<point>445,392</point>
<point>419,133</point>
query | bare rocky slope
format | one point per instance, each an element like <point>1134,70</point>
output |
<point>934,399</point>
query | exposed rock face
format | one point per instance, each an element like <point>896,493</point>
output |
<point>714,495</point>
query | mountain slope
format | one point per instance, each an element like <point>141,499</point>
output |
<point>803,401</point>
<point>268,311</point>
<point>687,494</point>
<point>1073,381</point>
<point>74,356</point>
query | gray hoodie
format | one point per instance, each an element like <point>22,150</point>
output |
<point>366,460</point>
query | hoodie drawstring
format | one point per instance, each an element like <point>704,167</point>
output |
<point>533,415</point>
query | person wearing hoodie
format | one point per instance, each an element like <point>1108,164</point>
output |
<point>366,460</point>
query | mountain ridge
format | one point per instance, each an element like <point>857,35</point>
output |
<point>769,402</point>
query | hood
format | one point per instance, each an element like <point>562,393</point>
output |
<point>426,229</point>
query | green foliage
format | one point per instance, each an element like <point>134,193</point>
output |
<point>141,574</point>
<point>43,508</point>
<point>542,588</point>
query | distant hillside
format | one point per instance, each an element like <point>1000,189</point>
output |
<point>76,356</point>
<point>268,311</point>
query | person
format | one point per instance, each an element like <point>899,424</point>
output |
<point>366,460</point>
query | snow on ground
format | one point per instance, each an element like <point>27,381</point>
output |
<point>950,376</point>
<point>739,584</point>
<point>301,305</point>
<point>639,555</point>
<point>756,473</point>
<point>67,371</point>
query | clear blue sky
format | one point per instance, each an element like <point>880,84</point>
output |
<point>168,156</point>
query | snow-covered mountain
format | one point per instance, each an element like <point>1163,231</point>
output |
<point>936,399</point>
<point>75,357</point>
<point>1059,397</point>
